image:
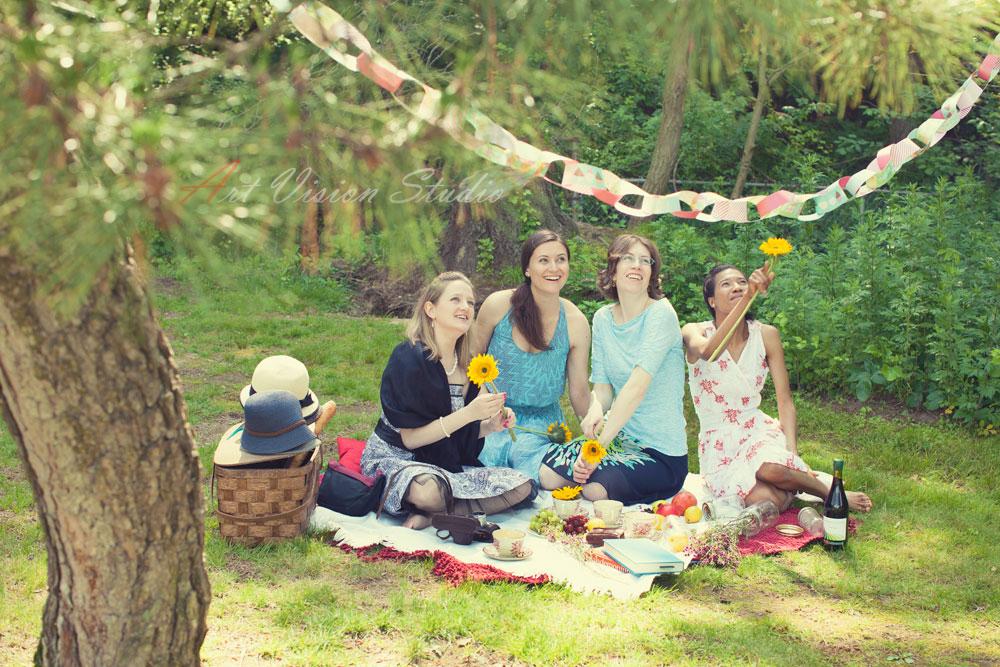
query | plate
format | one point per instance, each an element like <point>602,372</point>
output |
<point>491,552</point>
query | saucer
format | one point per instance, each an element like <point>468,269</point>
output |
<point>491,552</point>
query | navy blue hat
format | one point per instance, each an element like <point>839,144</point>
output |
<point>274,424</point>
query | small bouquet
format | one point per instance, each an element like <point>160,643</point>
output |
<point>717,546</point>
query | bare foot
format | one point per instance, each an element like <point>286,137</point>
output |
<point>859,502</point>
<point>418,521</point>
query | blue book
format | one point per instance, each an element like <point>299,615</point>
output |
<point>643,556</point>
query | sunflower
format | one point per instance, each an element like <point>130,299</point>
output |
<point>592,452</point>
<point>567,493</point>
<point>483,369</point>
<point>776,246</point>
<point>559,433</point>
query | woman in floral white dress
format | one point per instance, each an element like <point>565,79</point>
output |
<point>742,450</point>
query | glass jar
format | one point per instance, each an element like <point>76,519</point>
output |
<point>757,517</point>
<point>811,521</point>
<point>726,507</point>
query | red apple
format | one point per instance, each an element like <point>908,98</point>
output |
<point>668,509</point>
<point>684,500</point>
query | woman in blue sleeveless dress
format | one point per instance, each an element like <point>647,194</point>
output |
<point>540,342</point>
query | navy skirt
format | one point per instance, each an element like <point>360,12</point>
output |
<point>629,472</point>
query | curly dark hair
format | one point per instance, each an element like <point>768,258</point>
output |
<point>618,248</point>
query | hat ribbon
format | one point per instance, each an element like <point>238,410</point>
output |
<point>300,422</point>
<point>304,403</point>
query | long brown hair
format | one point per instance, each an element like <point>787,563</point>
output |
<point>419,328</point>
<point>618,248</point>
<point>523,309</point>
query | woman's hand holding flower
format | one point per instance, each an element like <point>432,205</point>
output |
<point>486,406</point>
<point>592,423</point>
<point>505,418</point>
<point>582,470</point>
<point>761,279</point>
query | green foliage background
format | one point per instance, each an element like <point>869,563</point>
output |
<point>115,107</point>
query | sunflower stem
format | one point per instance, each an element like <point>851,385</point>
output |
<point>510,431</point>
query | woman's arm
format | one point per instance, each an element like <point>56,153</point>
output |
<point>782,388</point>
<point>698,346</point>
<point>483,407</point>
<point>576,363</point>
<point>625,404</point>
<point>490,314</point>
<point>622,409</point>
<point>600,400</point>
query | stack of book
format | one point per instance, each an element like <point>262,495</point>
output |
<point>643,556</point>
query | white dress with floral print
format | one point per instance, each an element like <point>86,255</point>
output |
<point>736,438</point>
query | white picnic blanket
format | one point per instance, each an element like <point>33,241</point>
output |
<point>546,557</point>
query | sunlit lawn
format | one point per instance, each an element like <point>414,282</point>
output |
<point>919,582</point>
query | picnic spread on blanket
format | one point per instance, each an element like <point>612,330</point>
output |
<point>254,510</point>
<point>606,511</point>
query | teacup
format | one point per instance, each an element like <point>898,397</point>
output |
<point>639,524</point>
<point>509,543</point>
<point>566,508</point>
<point>609,510</point>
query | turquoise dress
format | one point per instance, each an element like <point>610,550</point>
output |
<point>534,383</point>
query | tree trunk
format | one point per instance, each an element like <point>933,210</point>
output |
<point>668,139</point>
<point>309,239</point>
<point>763,94</point>
<point>93,402</point>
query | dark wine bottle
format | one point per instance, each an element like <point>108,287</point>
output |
<point>835,511</point>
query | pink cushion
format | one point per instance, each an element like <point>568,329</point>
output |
<point>349,452</point>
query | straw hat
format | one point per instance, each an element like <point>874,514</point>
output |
<point>274,429</point>
<point>229,453</point>
<point>289,374</point>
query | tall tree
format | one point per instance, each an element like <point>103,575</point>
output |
<point>851,49</point>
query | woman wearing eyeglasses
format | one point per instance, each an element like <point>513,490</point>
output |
<point>637,368</point>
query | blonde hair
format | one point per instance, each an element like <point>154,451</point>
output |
<point>420,330</point>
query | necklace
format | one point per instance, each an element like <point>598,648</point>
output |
<point>454,366</point>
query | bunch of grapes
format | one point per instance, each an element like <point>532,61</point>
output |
<point>545,521</point>
<point>576,525</point>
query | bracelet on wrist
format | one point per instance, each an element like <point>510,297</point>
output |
<point>443,429</point>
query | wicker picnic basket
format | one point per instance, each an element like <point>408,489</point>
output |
<point>258,505</point>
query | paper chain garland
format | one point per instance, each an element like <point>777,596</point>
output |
<point>329,31</point>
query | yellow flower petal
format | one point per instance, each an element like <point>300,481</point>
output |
<point>483,369</point>
<point>776,246</point>
<point>567,492</point>
<point>592,452</point>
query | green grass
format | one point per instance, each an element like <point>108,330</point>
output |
<point>920,580</point>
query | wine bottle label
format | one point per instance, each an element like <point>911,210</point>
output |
<point>834,530</point>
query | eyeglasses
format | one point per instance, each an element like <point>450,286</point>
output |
<point>632,259</point>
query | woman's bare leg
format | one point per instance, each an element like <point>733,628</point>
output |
<point>763,491</point>
<point>427,496</point>
<point>493,504</point>
<point>549,479</point>
<point>789,479</point>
